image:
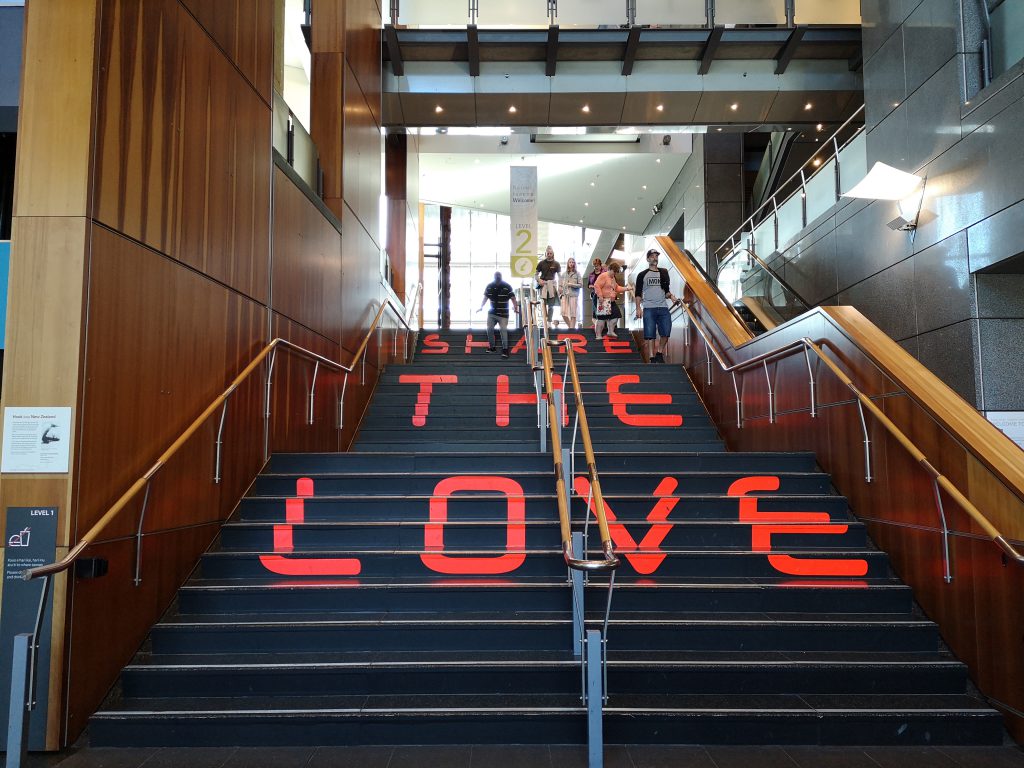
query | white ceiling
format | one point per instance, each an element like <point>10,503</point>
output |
<point>599,185</point>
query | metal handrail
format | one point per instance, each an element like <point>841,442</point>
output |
<point>269,350</point>
<point>940,480</point>
<point>610,560</point>
<point>833,141</point>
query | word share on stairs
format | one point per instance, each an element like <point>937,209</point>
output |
<point>413,591</point>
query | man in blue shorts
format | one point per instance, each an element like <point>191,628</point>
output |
<point>652,297</point>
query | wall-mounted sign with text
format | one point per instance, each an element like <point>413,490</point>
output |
<point>36,440</point>
<point>523,215</point>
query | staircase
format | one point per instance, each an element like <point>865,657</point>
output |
<point>413,591</point>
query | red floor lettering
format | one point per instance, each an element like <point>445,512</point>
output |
<point>617,347</point>
<point>515,530</point>
<point>762,529</point>
<point>426,382</point>
<point>646,563</point>
<point>470,344</point>
<point>619,400</point>
<point>579,343</point>
<point>504,400</point>
<point>432,345</point>
<point>295,514</point>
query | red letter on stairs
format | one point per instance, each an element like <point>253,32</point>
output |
<point>624,542</point>
<point>426,382</point>
<point>515,530</point>
<point>432,345</point>
<point>295,514</point>
<point>503,400</point>
<point>620,400</point>
<point>762,530</point>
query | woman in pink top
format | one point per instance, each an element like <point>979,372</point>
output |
<point>606,290</point>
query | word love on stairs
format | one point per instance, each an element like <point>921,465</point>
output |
<point>413,591</point>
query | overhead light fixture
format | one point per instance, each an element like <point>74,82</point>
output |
<point>591,183</point>
<point>645,186</point>
<point>513,109</point>
<point>581,221</point>
<point>586,108</point>
<point>734,107</point>
<point>660,107</point>
<point>719,130</point>
<point>586,205</point>
<point>633,210</point>
<point>808,106</point>
<point>657,160</point>
<point>819,126</point>
<point>439,109</point>
<point>884,182</point>
<point>789,129</point>
<point>623,226</point>
<point>817,162</point>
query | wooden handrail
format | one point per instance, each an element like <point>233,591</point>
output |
<point>610,560</point>
<point>90,536</point>
<point>975,514</point>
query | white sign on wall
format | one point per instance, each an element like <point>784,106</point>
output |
<point>523,214</point>
<point>1011,423</point>
<point>36,440</point>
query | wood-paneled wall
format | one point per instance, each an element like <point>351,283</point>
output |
<point>168,257</point>
<point>979,612</point>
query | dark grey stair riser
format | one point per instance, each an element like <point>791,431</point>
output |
<point>441,599</point>
<point>647,636</point>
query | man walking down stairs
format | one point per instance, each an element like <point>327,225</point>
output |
<point>413,591</point>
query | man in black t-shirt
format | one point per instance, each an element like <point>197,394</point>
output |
<point>499,293</point>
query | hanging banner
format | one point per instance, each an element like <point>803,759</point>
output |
<point>523,212</point>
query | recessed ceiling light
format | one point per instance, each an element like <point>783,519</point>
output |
<point>591,183</point>
<point>660,107</point>
<point>581,221</point>
<point>623,226</point>
<point>719,130</point>
<point>587,205</point>
<point>645,186</point>
<point>633,209</point>
<point>586,107</point>
<point>439,109</point>
<point>512,109</point>
<point>820,126</point>
<point>789,129</point>
<point>817,162</point>
<point>734,107</point>
<point>657,160</point>
<point>808,106</point>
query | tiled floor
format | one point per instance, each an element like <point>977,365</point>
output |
<point>539,757</point>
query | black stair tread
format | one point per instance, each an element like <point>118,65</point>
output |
<point>695,553</point>
<point>637,455</point>
<point>545,618</point>
<point>620,659</point>
<point>875,704</point>
<point>443,703</point>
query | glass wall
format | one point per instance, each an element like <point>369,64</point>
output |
<point>1007,36</point>
<point>479,248</point>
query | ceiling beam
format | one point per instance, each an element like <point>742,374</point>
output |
<point>714,38</point>
<point>632,43</point>
<point>788,50</point>
<point>394,51</point>
<point>552,64</point>
<point>473,50</point>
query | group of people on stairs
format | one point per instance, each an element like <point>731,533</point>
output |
<point>651,292</point>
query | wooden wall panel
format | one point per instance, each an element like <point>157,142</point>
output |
<point>327,120</point>
<point>979,612</point>
<point>244,30</point>
<point>307,261</point>
<point>182,145</point>
<point>364,146</point>
<point>363,50</point>
<point>110,616</point>
<point>360,279</point>
<point>55,115</point>
<point>153,365</point>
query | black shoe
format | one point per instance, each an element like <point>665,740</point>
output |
<point>659,358</point>
<point>491,349</point>
<point>504,353</point>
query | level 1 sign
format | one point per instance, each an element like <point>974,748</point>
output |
<point>30,540</point>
